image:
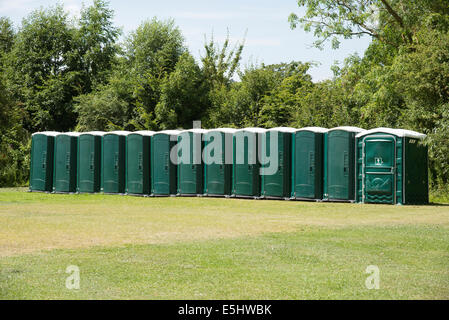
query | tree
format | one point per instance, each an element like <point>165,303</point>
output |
<point>220,64</point>
<point>102,110</point>
<point>390,21</point>
<point>183,95</point>
<point>109,106</point>
<point>422,78</point>
<point>263,97</point>
<point>97,46</point>
<point>6,35</point>
<point>279,106</point>
<point>41,70</point>
<point>152,52</point>
<point>14,142</point>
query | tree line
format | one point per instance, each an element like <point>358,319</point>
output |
<point>63,73</point>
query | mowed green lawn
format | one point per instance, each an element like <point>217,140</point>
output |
<point>203,248</point>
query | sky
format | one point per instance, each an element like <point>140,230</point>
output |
<point>268,40</point>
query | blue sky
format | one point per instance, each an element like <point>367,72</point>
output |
<point>269,38</point>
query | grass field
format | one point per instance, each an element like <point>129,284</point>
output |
<point>203,248</point>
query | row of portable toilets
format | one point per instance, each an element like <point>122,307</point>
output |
<point>341,164</point>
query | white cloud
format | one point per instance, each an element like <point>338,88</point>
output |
<point>264,42</point>
<point>7,6</point>
<point>73,7</point>
<point>25,6</point>
<point>204,15</point>
<point>217,15</point>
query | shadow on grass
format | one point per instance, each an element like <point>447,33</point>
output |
<point>438,204</point>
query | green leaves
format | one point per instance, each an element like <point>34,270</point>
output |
<point>391,21</point>
<point>183,95</point>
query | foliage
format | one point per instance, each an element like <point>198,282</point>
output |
<point>390,21</point>
<point>220,64</point>
<point>61,73</point>
<point>6,35</point>
<point>96,47</point>
<point>14,143</point>
<point>183,95</point>
<point>40,70</point>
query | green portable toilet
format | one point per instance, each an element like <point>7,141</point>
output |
<point>246,165</point>
<point>218,162</point>
<point>89,162</point>
<point>339,159</point>
<point>163,170</point>
<point>41,166</point>
<point>190,166</point>
<point>113,162</point>
<point>392,167</point>
<point>65,165</point>
<point>276,182</point>
<point>138,145</point>
<point>308,163</point>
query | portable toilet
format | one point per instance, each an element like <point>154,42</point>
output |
<point>114,162</point>
<point>65,165</point>
<point>41,166</point>
<point>392,167</point>
<point>246,165</point>
<point>339,158</point>
<point>276,163</point>
<point>308,163</point>
<point>163,170</point>
<point>138,146</point>
<point>218,162</point>
<point>89,162</point>
<point>190,165</point>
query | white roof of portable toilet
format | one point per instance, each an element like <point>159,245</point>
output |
<point>72,134</point>
<point>169,132</point>
<point>196,130</point>
<point>93,133</point>
<point>47,133</point>
<point>283,129</point>
<point>349,129</point>
<point>144,132</point>
<point>119,133</point>
<point>314,129</point>
<point>225,130</point>
<point>397,132</point>
<point>255,130</point>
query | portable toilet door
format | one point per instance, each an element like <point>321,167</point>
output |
<point>218,162</point>
<point>276,163</point>
<point>163,170</point>
<point>65,166</point>
<point>114,162</point>
<point>89,162</point>
<point>42,159</point>
<point>392,167</point>
<point>138,145</point>
<point>340,164</point>
<point>246,165</point>
<point>190,165</point>
<point>308,163</point>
